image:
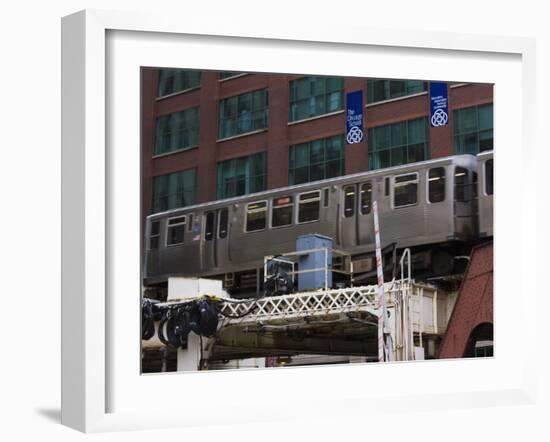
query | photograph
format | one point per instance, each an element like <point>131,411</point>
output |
<point>299,220</point>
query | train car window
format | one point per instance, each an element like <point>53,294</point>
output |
<point>256,215</point>
<point>308,207</point>
<point>326,197</point>
<point>461,184</point>
<point>224,218</point>
<point>190,223</point>
<point>405,190</point>
<point>209,228</point>
<point>349,201</point>
<point>489,177</point>
<point>154,235</point>
<point>175,231</point>
<point>281,213</point>
<point>436,185</point>
<point>387,186</point>
<point>366,198</point>
<point>474,185</point>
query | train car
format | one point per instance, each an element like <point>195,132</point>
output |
<point>427,206</point>
<point>485,193</point>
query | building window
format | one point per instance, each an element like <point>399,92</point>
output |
<point>241,176</point>
<point>316,160</point>
<point>175,80</point>
<point>405,190</point>
<point>309,206</point>
<point>175,231</point>
<point>174,190</point>
<point>227,74</point>
<point>381,90</point>
<point>489,177</point>
<point>436,185</point>
<point>256,216</point>
<point>473,129</point>
<point>281,212</point>
<point>243,113</point>
<point>398,143</point>
<point>314,96</point>
<point>177,131</point>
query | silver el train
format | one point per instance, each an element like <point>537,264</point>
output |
<point>438,208</point>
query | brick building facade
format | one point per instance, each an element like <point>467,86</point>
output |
<point>472,317</point>
<point>194,108</point>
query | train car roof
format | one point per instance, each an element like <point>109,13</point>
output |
<point>486,153</point>
<point>315,184</point>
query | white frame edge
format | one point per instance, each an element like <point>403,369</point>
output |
<point>84,235</point>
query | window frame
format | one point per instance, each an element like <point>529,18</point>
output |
<point>344,199</point>
<point>374,153</point>
<point>361,191</point>
<point>169,226</point>
<point>456,135</point>
<point>226,209</point>
<point>158,235</point>
<point>245,226</point>
<point>273,207</point>
<point>214,225</point>
<point>221,179</point>
<point>324,164</point>
<point>467,196</point>
<point>372,81</point>
<point>186,129</point>
<point>221,135</point>
<point>417,181</point>
<point>298,201</point>
<point>325,95</point>
<point>188,193</point>
<point>428,184</point>
<point>179,91</point>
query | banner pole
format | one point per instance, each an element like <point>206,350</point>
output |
<point>382,314</point>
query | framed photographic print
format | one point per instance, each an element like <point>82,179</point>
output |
<point>289,217</point>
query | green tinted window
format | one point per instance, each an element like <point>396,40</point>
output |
<point>316,160</point>
<point>398,143</point>
<point>174,190</point>
<point>243,113</point>
<point>176,131</point>
<point>381,89</point>
<point>241,176</point>
<point>473,129</point>
<point>175,80</point>
<point>314,96</point>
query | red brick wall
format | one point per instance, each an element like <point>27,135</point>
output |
<point>474,305</point>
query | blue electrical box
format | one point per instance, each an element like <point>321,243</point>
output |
<point>314,260</point>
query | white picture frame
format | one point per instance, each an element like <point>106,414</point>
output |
<point>89,188</point>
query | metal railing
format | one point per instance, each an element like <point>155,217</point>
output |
<point>328,267</point>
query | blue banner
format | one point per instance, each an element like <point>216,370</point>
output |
<point>439,104</point>
<point>354,117</point>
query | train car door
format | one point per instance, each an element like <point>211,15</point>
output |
<point>153,243</point>
<point>222,246</point>
<point>209,257</point>
<point>463,202</point>
<point>365,218</point>
<point>349,215</point>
